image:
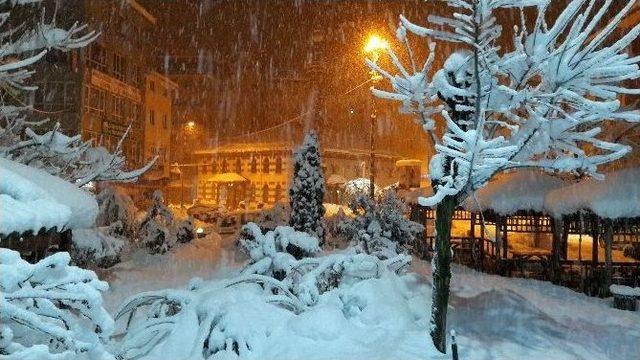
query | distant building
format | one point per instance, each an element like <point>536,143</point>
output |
<point>260,173</point>
<point>101,90</point>
<point>157,127</point>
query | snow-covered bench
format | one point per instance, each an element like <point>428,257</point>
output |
<point>625,297</point>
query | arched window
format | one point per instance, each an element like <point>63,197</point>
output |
<point>265,164</point>
<point>225,166</point>
<point>278,192</point>
<point>265,193</point>
<point>254,165</point>
<point>278,165</point>
<point>239,165</point>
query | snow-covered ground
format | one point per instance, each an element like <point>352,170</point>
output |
<point>495,317</point>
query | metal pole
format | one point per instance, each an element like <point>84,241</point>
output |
<point>372,161</point>
<point>181,189</point>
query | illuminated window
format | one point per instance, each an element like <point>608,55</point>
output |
<point>278,192</point>
<point>265,193</point>
<point>265,164</point>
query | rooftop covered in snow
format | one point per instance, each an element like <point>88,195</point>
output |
<point>518,191</point>
<point>31,199</point>
<point>617,196</point>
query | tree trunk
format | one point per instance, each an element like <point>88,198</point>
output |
<point>442,272</point>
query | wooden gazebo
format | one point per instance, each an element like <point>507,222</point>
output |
<point>514,204</point>
<point>609,212</point>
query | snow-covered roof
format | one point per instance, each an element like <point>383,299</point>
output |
<point>521,190</point>
<point>230,177</point>
<point>617,196</point>
<point>31,199</point>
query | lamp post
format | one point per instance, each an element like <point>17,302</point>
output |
<point>372,48</point>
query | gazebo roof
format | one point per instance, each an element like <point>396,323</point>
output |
<point>31,199</point>
<point>617,196</point>
<point>522,190</point>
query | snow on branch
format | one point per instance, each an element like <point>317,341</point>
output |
<point>45,309</point>
<point>540,104</point>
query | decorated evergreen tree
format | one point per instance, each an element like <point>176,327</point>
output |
<point>307,189</point>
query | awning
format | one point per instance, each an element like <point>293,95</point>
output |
<point>230,177</point>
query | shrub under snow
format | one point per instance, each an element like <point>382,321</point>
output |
<point>98,246</point>
<point>154,229</point>
<point>275,298</point>
<point>380,228</point>
<point>50,310</point>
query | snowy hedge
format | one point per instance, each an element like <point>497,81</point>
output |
<point>50,310</point>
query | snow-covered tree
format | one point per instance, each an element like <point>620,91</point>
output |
<point>306,193</point>
<point>116,206</point>
<point>539,103</point>
<point>50,310</point>
<point>25,42</point>
<point>379,227</point>
<point>155,228</point>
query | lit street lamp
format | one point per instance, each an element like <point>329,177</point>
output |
<point>374,46</point>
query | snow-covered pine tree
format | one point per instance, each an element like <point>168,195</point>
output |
<point>154,228</point>
<point>306,193</point>
<point>536,104</point>
<point>25,41</point>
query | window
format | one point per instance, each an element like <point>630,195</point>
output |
<point>265,193</point>
<point>254,165</point>
<point>152,117</point>
<point>165,121</point>
<point>265,164</point>
<point>278,192</point>
<point>119,67</point>
<point>239,165</point>
<point>214,167</point>
<point>98,57</point>
<point>225,166</point>
<point>278,165</point>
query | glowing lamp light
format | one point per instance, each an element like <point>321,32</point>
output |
<point>200,231</point>
<point>375,44</point>
<point>190,125</point>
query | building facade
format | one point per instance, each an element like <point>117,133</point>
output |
<point>259,174</point>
